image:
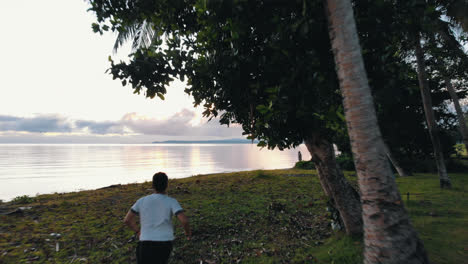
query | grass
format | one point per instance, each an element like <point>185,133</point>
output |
<point>274,216</point>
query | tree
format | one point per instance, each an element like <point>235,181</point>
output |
<point>449,62</point>
<point>235,58</point>
<point>421,22</point>
<point>460,114</point>
<point>437,35</point>
<point>388,234</point>
<point>401,171</point>
<point>394,83</point>
<point>264,65</point>
<point>431,123</point>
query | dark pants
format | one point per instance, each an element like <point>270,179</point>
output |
<point>153,252</point>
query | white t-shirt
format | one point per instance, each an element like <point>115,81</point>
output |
<point>155,212</point>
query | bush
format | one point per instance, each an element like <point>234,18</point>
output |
<point>24,199</point>
<point>419,165</point>
<point>430,166</point>
<point>305,165</point>
<point>460,150</point>
<point>457,165</point>
<point>345,161</point>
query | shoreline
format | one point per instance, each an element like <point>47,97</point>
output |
<point>7,200</point>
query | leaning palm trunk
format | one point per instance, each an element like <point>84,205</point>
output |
<point>429,112</point>
<point>460,116</point>
<point>401,171</point>
<point>389,236</point>
<point>334,184</point>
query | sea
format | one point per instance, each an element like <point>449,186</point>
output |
<point>32,169</point>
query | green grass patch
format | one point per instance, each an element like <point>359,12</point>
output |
<point>261,216</point>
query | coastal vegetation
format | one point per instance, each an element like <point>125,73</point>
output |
<point>277,216</point>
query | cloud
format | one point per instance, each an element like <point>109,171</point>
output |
<point>178,124</point>
<point>101,128</point>
<point>40,124</point>
<point>132,124</point>
<point>8,118</point>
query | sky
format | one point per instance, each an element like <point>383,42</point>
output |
<point>54,89</point>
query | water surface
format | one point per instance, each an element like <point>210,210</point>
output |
<point>30,169</point>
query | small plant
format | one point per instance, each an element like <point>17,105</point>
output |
<point>24,199</point>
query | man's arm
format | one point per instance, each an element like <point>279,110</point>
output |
<point>185,224</point>
<point>130,221</point>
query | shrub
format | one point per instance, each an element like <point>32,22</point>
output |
<point>430,166</point>
<point>305,165</point>
<point>460,150</point>
<point>457,165</point>
<point>345,161</point>
<point>419,165</point>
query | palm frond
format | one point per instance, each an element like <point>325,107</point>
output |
<point>125,35</point>
<point>144,36</point>
<point>140,33</point>
<point>457,11</point>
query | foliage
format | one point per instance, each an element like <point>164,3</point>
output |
<point>305,165</point>
<point>388,45</point>
<point>242,77</point>
<point>269,67</point>
<point>274,218</point>
<point>460,150</point>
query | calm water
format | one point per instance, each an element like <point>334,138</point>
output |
<point>28,169</point>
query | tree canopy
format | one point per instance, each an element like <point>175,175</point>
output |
<point>268,65</point>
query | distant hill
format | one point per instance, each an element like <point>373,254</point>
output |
<point>222,141</point>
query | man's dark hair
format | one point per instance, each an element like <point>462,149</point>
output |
<point>160,181</point>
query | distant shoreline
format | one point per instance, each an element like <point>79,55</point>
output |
<point>223,141</point>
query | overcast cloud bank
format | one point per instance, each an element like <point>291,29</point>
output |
<point>130,128</point>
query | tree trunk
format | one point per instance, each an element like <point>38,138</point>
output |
<point>429,112</point>
<point>460,116</point>
<point>389,236</point>
<point>401,171</point>
<point>334,184</point>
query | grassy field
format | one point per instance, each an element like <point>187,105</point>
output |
<point>249,217</point>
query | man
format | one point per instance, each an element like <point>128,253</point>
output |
<point>155,211</point>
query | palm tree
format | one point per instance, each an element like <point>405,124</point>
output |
<point>389,236</point>
<point>430,119</point>
<point>400,170</point>
<point>460,115</point>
